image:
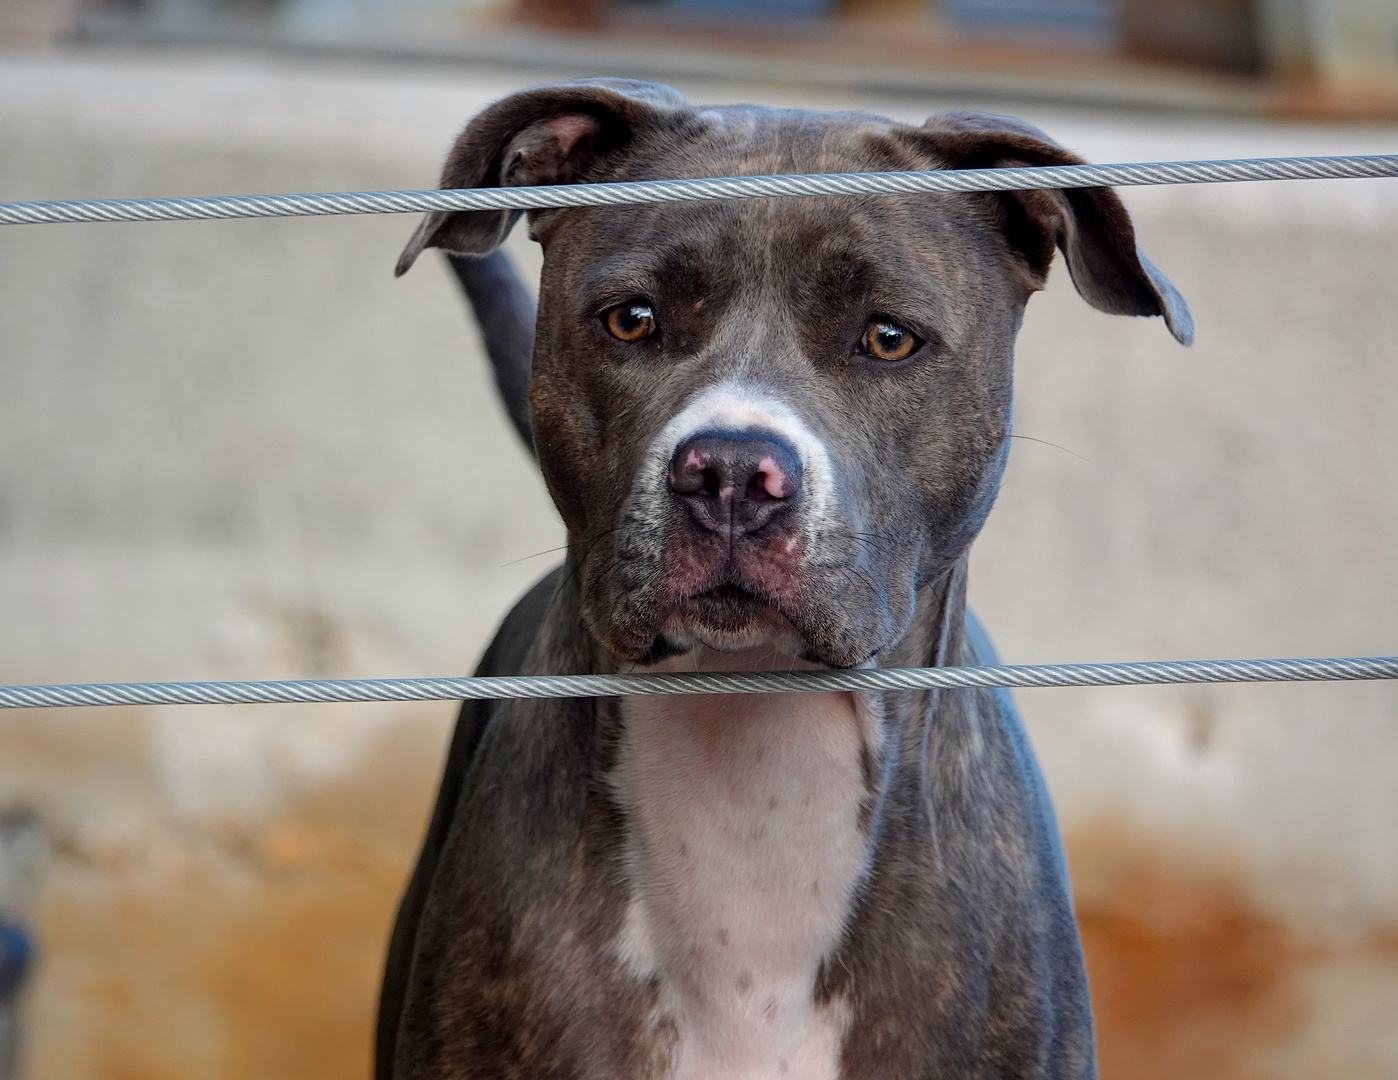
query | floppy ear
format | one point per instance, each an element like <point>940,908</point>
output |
<point>549,135</point>
<point>1089,225</point>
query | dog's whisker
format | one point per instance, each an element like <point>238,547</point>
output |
<point>1045,442</point>
<point>526,558</point>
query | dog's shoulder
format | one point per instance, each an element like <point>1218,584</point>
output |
<point>506,655</point>
<point>1062,978</point>
<point>982,652</point>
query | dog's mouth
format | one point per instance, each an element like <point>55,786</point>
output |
<point>730,606</point>
<point>730,617</point>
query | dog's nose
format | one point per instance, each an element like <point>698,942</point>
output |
<point>737,481</point>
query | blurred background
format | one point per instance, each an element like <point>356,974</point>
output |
<point>242,450</point>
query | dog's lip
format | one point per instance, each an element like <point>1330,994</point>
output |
<point>732,591</point>
<point>734,595</point>
<point>729,616</point>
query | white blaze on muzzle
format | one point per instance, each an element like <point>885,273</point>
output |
<point>742,408</point>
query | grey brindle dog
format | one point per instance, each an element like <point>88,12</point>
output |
<point>773,428</point>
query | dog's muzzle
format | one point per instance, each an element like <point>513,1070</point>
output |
<point>729,534</point>
<point>733,556</point>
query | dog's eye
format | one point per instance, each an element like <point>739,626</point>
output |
<point>631,321</point>
<point>886,340</point>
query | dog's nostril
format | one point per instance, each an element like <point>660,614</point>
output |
<point>764,487</point>
<point>741,472</point>
<point>773,482</point>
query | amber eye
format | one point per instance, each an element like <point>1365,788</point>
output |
<point>631,321</point>
<point>888,341</point>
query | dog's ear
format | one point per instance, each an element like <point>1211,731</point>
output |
<point>549,135</point>
<point>1089,225</point>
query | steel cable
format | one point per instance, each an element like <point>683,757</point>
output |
<point>748,682</point>
<point>659,191</point>
<point>732,187</point>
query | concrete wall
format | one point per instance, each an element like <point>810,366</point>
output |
<point>1347,44</point>
<point>243,450</point>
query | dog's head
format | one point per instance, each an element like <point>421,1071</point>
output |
<point>770,421</point>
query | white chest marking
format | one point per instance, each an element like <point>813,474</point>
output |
<point>745,850</point>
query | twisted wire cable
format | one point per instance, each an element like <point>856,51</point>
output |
<point>747,682</point>
<point>632,193</point>
<point>732,187</point>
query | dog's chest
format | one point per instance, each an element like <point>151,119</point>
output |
<point>744,848</point>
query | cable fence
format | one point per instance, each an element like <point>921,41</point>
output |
<point>1151,673</point>
<point>689,190</point>
<point>633,193</point>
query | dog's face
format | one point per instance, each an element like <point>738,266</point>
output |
<point>769,422</point>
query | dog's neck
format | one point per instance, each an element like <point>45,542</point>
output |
<point>751,820</point>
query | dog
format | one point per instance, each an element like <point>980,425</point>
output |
<point>773,428</point>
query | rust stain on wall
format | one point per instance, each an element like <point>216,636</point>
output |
<point>252,948</point>
<point>1190,978</point>
<point>1381,942</point>
<point>251,952</point>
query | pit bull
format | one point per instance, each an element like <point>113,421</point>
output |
<point>773,428</point>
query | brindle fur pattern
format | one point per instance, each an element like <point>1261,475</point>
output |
<point>959,957</point>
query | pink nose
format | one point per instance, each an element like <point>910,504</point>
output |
<point>737,481</point>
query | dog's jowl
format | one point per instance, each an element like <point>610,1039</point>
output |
<point>773,428</point>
